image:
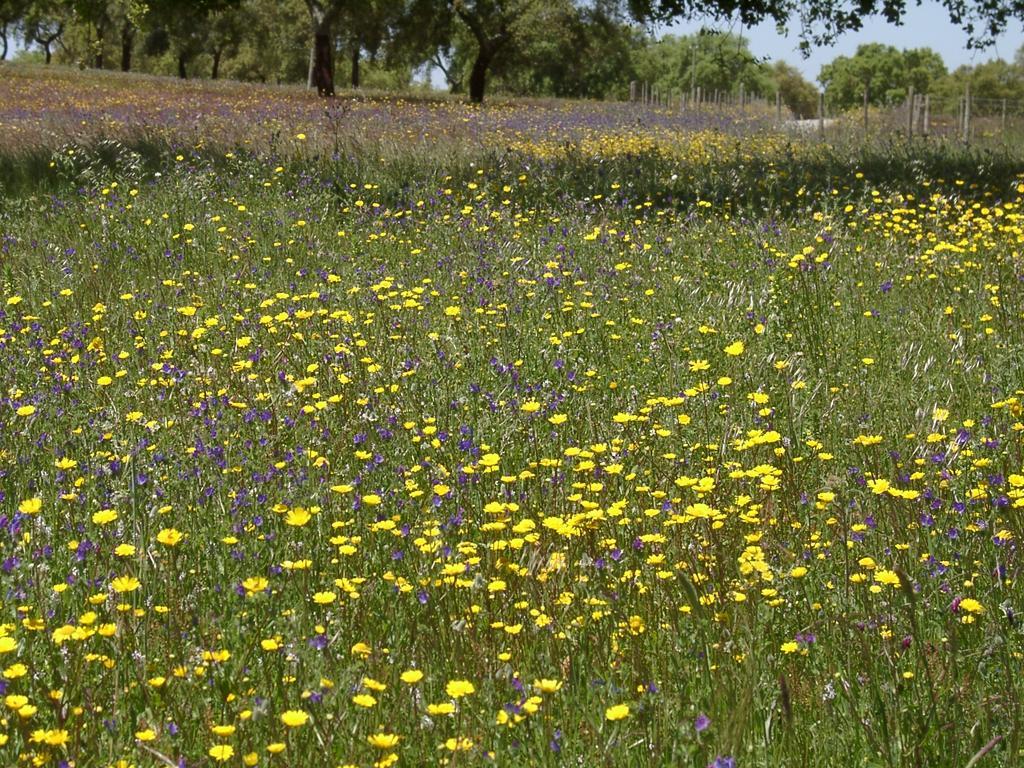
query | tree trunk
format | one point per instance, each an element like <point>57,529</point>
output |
<point>100,32</point>
<point>321,65</point>
<point>323,60</point>
<point>181,66</point>
<point>216,64</point>
<point>478,75</point>
<point>46,42</point>
<point>355,66</point>
<point>127,40</point>
<point>3,39</point>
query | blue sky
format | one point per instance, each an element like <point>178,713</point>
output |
<point>926,25</point>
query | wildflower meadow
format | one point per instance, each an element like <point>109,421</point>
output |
<point>418,433</point>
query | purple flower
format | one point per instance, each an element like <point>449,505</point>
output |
<point>702,723</point>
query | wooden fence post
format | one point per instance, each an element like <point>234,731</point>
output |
<point>910,112</point>
<point>967,113</point>
<point>821,114</point>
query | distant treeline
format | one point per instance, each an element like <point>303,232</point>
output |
<point>559,48</point>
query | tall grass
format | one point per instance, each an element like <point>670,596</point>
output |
<point>452,454</point>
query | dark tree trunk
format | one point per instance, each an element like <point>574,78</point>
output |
<point>355,66</point>
<point>182,60</point>
<point>100,31</point>
<point>323,60</point>
<point>478,75</point>
<point>127,40</point>
<point>216,64</point>
<point>3,39</point>
<point>46,42</point>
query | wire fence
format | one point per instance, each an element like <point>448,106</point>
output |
<point>966,116</point>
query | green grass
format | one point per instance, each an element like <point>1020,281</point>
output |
<point>507,435</point>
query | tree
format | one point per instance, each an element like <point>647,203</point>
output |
<point>799,95</point>
<point>227,30</point>
<point>182,28</point>
<point>712,60</point>
<point>322,15</point>
<point>43,23</point>
<point>11,15</point>
<point>275,47</point>
<point>991,80</point>
<point>370,27</point>
<point>566,49</point>
<point>886,73</point>
<point>491,24</point>
<point>822,21</point>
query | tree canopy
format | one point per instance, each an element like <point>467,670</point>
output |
<point>567,48</point>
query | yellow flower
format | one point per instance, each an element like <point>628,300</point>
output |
<point>324,598</point>
<point>412,676</point>
<point>459,688</point>
<point>547,686</point>
<point>26,410</point>
<point>222,752</point>
<point>971,605</point>
<point>30,506</point>
<point>735,349</point>
<point>790,647</point>
<point>371,499</point>
<point>293,718</point>
<point>223,730</point>
<point>364,700</point>
<point>878,486</point>
<point>383,740</point>
<point>373,685</point>
<point>147,734</point>
<point>887,577</point>
<point>445,708</point>
<point>361,649</point>
<point>104,516</point>
<point>297,517</point>
<point>169,537</point>
<point>255,584</point>
<point>125,584</point>
<point>617,712</point>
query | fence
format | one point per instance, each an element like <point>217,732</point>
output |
<point>967,116</point>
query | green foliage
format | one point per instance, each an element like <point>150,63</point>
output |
<point>799,95</point>
<point>562,49</point>
<point>995,79</point>
<point>713,61</point>
<point>885,71</point>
